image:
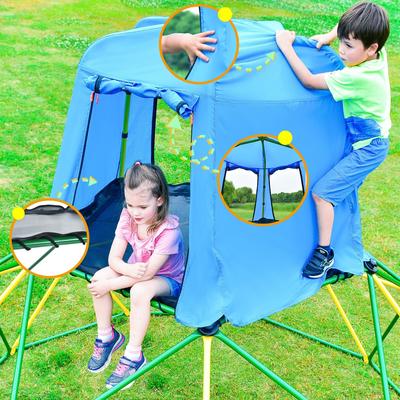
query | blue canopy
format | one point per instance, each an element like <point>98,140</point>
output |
<point>235,269</point>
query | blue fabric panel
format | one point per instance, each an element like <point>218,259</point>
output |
<point>321,140</point>
<point>294,166</point>
<point>203,293</point>
<point>250,155</point>
<point>72,143</point>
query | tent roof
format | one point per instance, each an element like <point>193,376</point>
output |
<point>133,56</point>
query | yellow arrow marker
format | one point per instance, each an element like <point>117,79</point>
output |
<point>205,168</point>
<point>271,55</point>
<point>201,136</point>
<point>65,185</point>
<point>211,151</point>
<point>238,67</point>
<point>174,123</point>
<point>74,180</point>
<point>92,181</point>
<point>249,69</point>
<point>85,180</point>
<point>195,161</point>
<point>210,141</point>
<point>59,194</point>
<point>259,67</point>
<point>215,171</point>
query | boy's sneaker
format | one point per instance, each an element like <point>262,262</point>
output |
<point>319,263</point>
<point>125,368</point>
<point>102,352</point>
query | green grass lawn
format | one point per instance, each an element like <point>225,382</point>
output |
<point>246,210</point>
<point>41,43</point>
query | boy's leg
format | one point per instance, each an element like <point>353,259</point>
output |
<point>345,177</point>
<point>325,217</point>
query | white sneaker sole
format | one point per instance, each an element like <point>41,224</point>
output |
<point>326,268</point>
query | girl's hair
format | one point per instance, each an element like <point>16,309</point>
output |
<point>153,176</point>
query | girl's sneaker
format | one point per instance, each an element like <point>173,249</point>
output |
<point>102,352</point>
<point>125,368</point>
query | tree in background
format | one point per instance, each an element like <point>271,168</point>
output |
<point>229,193</point>
<point>184,22</point>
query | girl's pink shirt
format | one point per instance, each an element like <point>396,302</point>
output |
<point>166,240</point>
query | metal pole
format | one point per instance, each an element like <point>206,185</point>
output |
<point>122,155</point>
<point>195,335</point>
<point>278,380</point>
<point>378,337</point>
<point>24,326</point>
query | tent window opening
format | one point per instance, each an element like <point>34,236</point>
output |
<point>239,192</point>
<point>172,144</point>
<point>286,191</point>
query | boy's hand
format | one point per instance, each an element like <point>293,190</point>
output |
<point>194,45</point>
<point>325,38</point>
<point>285,39</point>
<point>99,288</point>
<point>137,270</point>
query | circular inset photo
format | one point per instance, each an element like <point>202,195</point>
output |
<point>49,237</point>
<point>199,43</point>
<point>262,181</point>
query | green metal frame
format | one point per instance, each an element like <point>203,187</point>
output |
<point>7,345</point>
<point>166,310</point>
<point>60,240</point>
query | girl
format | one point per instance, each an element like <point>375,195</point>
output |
<point>155,268</point>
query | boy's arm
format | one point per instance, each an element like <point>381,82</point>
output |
<point>193,45</point>
<point>285,39</point>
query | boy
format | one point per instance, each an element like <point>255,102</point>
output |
<point>363,86</point>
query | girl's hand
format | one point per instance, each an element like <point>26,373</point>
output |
<point>137,270</point>
<point>99,288</point>
<point>325,38</point>
<point>285,39</point>
<point>194,45</point>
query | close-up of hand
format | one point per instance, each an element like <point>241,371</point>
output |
<point>195,45</point>
<point>284,38</point>
<point>322,39</point>
<point>98,288</point>
<point>137,270</point>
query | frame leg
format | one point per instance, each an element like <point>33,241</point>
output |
<point>378,337</point>
<point>207,341</point>
<point>275,378</point>
<point>195,335</point>
<point>24,326</point>
<point>7,354</point>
